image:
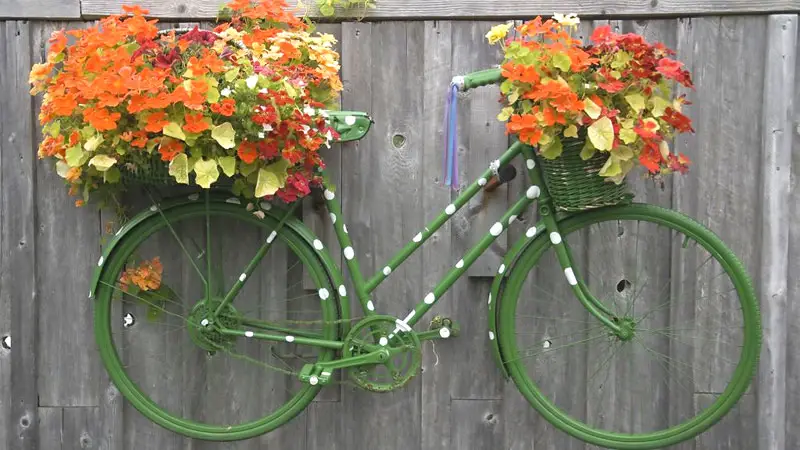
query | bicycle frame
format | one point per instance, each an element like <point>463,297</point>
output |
<point>364,287</point>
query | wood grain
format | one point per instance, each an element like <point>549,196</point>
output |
<point>441,9</point>
<point>41,9</point>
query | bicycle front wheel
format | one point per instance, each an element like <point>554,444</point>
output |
<point>683,294</point>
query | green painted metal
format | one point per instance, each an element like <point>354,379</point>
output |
<point>741,378</point>
<point>300,340</point>
<point>482,78</point>
<point>351,125</point>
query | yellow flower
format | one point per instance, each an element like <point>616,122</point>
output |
<point>498,32</point>
<point>569,20</point>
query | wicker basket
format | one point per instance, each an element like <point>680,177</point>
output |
<point>152,173</point>
<point>575,184</point>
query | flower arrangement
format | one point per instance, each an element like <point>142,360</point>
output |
<point>615,93</point>
<point>245,101</point>
<point>327,7</point>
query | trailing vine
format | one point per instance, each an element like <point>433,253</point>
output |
<point>327,7</point>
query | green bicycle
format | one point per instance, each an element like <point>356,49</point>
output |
<point>253,335</point>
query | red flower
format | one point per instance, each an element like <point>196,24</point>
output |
<point>226,107</point>
<point>678,121</point>
<point>247,152</point>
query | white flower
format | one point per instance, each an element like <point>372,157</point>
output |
<point>309,111</point>
<point>252,81</point>
<point>267,127</point>
<point>324,113</point>
<point>329,135</point>
<point>306,129</point>
<point>225,92</point>
<point>263,91</point>
<point>261,135</point>
<point>569,20</point>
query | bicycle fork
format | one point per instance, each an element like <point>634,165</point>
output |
<point>579,288</point>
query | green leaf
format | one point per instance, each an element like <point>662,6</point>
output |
<point>93,142</point>
<point>228,164</point>
<point>611,167</point>
<point>601,133</point>
<point>174,130</point>
<point>75,156</point>
<point>562,61</point>
<point>628,136</point>
<point>591,108</point>
<point>179,168</point>
<point>111,175</point>
<point>621,59</point>
<point>53,128</point>
<point>238,186</point>
<point>505,113</point>
<point>513,96</point>
<point>206,173</point>
<point>636,101</point>
<point>231,74</point>
<point>326,10</point>
<point>553,149</point>
<point>212,95</point>
<point>247,169</point>
<point>571,131</point>
<point>267,184</point>
<point>658,106</point>
<point>62,168</point>
<point>224,135</point>
<point>102,162</point>
<point>623,152</point>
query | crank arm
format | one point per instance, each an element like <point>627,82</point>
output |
<point>321,373</point>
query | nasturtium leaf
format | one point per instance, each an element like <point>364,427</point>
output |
<point>636,101</point>
<point>75,156</point>
<point>506,86</point>
<point>591,108</point>
<point>247,169</point>
<point>654,126</point>
<point>102,162</point>
<point>231,74</point>
<point>206,172</point>
<point>290,90</point>
<point>621,59</point>
<point>267,184</point>
<point>623,152</point>
<point>179,168</point>
<point>561,61</point>
<point>505,113</point>
<point>53,128</point>
<point>111,175</point>
<point>628,136</point>
<point>553,149</point>
<point>238,186</point>
<point>571,131</point>
<point>326,9</point>
<point>212,95</point>
<point>663,147</point>
<point>659,106</point>
<point>62,168</point>
<point>93,142</point>
<point>625,167</point>
<point>228,164</point>
<point>513,96</point>
<point>601,133</point>
<point>173,130</point>
<point>611,167</point>
<point>224,134</point>
<point>587,151</point>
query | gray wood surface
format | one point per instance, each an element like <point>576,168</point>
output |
<point>53,389</point>
<point>420,9</point>
<point>40,9</point>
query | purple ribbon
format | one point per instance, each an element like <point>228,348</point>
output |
<point>451,138</point>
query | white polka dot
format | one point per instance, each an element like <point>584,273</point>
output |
<point>555,238</point>
<point>289,338</point>
<point>90,294</point>
<point>496,229</point>
<point>342,291</point>
<point>118,232</point>
<point>204,322</point>
<point>271,237</point>
<point>318,244</point>
<point>248,333</point>
<point>194,197</point>
<point>502,268</point>
<point>242,277</point>
<point>266,206</point>
<point>460,264</point>
<point>344,227</point>
<point>324,294</point>
<point>313,380</point>
<point>370,305</point>
<point>490,299</point>
<point>383,341</point>
<point>491,335</point>
<point>444,332</point>
<point>570,276</point>
<point>349,253</point>
<point>154,208</point>
<point>533,192</point>
<point>530,163</point>
<point>430,298</point>
<point>333,218</point>
<point>531,232</point>
<point>482,182</point>
<point>450,209</point>
<point>329,195</point>
<point>387,270</point>
<point>233,200</point>
<point>418,237</point>
<point>350,120</point>
<point>100,261</point>
<point>512,219</point>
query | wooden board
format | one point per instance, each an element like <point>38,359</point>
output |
<point>793,286</point>
<point>40,9</point>
<point>419,9</point>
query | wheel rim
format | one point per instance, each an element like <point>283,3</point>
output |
<point>218,400</point>
<point>587,349</point>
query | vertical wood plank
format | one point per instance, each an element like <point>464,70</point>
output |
<point>736,431</point>
<point>18,225</point>
<point>51,428</point>
<point>477,424</point>
<point>778,108</point>
<point>83,429</point>
<point>324,427</point>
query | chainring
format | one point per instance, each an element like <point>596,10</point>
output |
<point>395,372</point>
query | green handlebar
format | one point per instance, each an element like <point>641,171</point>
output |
<point>482,78</point>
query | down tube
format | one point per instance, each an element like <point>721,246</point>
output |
<point>472,255</point>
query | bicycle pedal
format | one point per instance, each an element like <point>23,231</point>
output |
<point>314,375</point>
<point>446,327</point>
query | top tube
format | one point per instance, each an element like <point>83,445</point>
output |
<point>478,79</point>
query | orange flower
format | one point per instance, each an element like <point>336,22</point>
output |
<point>139,139</point>
<point>58,41</point>
<point>169,149</point>
<point>211,61</point>
<point>146,276</point>
<point>74,138</point>
<point>64,105</point>
<point>238,5</point>
<point>73,174</point>
<point>79,202</point>
<point>226,107</point>
<point>195,123</point>
<point>101,119</point>
<point>156,122</point>
<point>135,10</point>
<point>51,146</point>
<point>247,152</point>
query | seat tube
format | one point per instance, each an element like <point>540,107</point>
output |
<point>561,247</point>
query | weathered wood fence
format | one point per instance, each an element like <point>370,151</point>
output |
<point>54,393</point>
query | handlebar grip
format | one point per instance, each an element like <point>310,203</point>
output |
<point>479,78</point>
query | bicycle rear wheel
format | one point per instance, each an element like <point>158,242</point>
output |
<point>686,297</point>
<point>179,372</point>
